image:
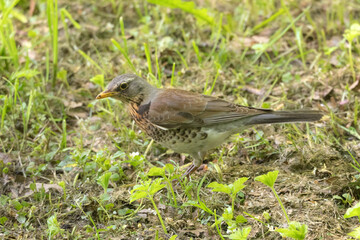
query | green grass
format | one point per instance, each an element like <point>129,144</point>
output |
<point>68,162</point>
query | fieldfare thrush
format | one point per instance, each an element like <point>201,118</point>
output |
<point>188,122</point>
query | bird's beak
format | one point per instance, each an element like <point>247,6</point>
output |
<point>105,94</point>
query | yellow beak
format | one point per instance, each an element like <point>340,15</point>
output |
<point>105,94</point>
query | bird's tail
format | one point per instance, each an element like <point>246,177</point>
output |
<point>284,117</point>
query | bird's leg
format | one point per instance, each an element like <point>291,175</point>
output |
<point>198,159</point>
<point>190,170</point>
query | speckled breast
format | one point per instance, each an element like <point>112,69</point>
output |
<point>178,139</point>
<point>182,140</point>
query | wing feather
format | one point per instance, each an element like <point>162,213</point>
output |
<point>175,108</point>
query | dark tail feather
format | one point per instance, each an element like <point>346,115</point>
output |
<point>285,117</point>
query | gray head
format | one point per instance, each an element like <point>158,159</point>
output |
<point>127,88</point>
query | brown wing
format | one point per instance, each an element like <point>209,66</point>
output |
<point>173,108</point>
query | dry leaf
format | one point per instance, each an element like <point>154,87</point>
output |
<point>78,113</point>
<point>5,158</point>
<point>255,91</point>
<point>354,85</point>
<point>239,43</point>
<point>46,186</point>
<point>196,232</point>
<point>71,104</point>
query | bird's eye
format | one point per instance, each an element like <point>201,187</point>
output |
<point>124,86</point>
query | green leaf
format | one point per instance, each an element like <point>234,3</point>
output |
<point>190,203</point>
<point>28,73</point>
<point>353,212</point>
<point>25,204</point>
<point>338,197</point>
<point>16,204</point>
<point>217,187</point>
<point>227,215</point>
<point>240,219</point>
<point>137,195</point>
<point>61,74</point>
<point>169,168</point>
<point>196,204</point>
<point>268,179</point>
<point>103,180</point>
<point>355,233</point>
<point>18,15</point>
<point>115,177</point>
<point>188,6</point>
<point>125,211</point>
<point>240,234</point>
<point>21,218</point>
<point>3,220</point>
<point>62,184</point>
<point>156,186</point>
<point>53,226</point>
<point>353,32</point>
<point>124,53</point>
<point>33,187</point>
<point>144,187</point>
<point>156,171</point>
<point>105,197</point>
<point>3,200</point>
<point>269,20</point>
<point>260,47</point>
<point>140,191</point>
<point>238,185</point>
<point>295,230</point>
<point>173,237</point>
<point>266,105</point>
<point>267,216</point>
<point>351,131</point>
<point>98,80</point>
<point>64,12</point>
<point>109,206</point>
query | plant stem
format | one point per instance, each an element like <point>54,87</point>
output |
<point>158,213</point>
<point>52,14</point>
<point>90,218</point>
<point>351,61</point>
<point>172,75</point>
<point>148,147</point>
<point>255,218</point>
<point>172,191</point>
<point>217,227</point>
<point>148,58</point>
<point>356,112</point>
<point>281,205</point>
<point>232,205</point>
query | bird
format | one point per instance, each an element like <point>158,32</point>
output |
<point>188,122</point>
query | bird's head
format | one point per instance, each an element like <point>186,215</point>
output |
<point>127,88</point>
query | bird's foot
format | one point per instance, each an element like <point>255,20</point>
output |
<point>190,170</point>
